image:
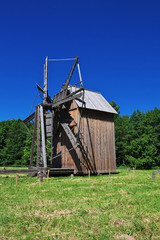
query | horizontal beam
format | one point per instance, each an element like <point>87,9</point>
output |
<point>61,171</point>
<point>63,59</point>
<point>70,97</point>
<point>29,118</point>
<point>55,171</point>
<point>19,171</point>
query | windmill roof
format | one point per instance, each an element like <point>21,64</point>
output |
<point>94,101</point>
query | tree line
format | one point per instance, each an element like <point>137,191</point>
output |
<point>137,140</point>
<point>15,143</point>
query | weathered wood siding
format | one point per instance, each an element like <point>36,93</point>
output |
<point>98,142</point>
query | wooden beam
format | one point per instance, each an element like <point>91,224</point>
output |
<point>70,97</point>
<point>53,171</point>
<point>38,137</point>
<point>29,118</point>
<point>65,85</point>
<point>19,171</point>
<point>61,171</point>
<point>43,137</point>
<point>45,95</point>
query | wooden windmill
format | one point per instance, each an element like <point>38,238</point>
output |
<point>51,114</point>
<point>74,131</point>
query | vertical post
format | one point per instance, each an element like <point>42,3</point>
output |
<point>47,175</point>
<point>52,140</point>
<point>38,137</point>
<point>89,173</point>
<point>128,170</point>
<point>40,174</point>
<point>43,138</point>
<point>153,175</point>
<point>46,81</point>
<point>79,71</point>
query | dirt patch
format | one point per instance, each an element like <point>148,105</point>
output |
<point>146,221</point>
<point>124,237</point>
<point>54,214</point>
<point>61,212</point>
<point>119,222</point>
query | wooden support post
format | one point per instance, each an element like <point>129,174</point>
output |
<point>46,81</point>
<point>153,175</point>
<point>89,173</point>
<point>52,138</point>
<point>41,178</point>
<point>43,138</point>
<point>80,77</point>
<point>128,171</point>
<point>38,137</point>
<point>41,175</point>
<point>48,175</point>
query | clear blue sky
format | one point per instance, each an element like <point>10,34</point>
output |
<point>118,44</point>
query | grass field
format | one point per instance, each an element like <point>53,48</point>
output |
<point>119,206</point>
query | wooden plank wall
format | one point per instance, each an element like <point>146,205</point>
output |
<point>98,129</point>
<point>98,141</point>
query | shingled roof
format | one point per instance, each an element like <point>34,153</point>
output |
<point>94,101</point>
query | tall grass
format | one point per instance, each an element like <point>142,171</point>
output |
<point>121,206</point>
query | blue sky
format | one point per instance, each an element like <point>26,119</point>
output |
<point>118,44</point>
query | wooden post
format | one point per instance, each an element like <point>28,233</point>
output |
<point>80,77</point>
<point>38,137</point>
<point>47,175</point>
<point>52,138</point>
<point>40,174</point>
<point>46,81</point>
<point>153,175</point>
<point>89,173</point>
<point>43,138</point>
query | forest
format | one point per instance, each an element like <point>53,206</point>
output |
<point>137,140</point>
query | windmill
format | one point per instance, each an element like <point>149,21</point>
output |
<point>51,114</point>
<point>73,132</point>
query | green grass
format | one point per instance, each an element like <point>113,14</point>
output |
<point>119,206</point>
